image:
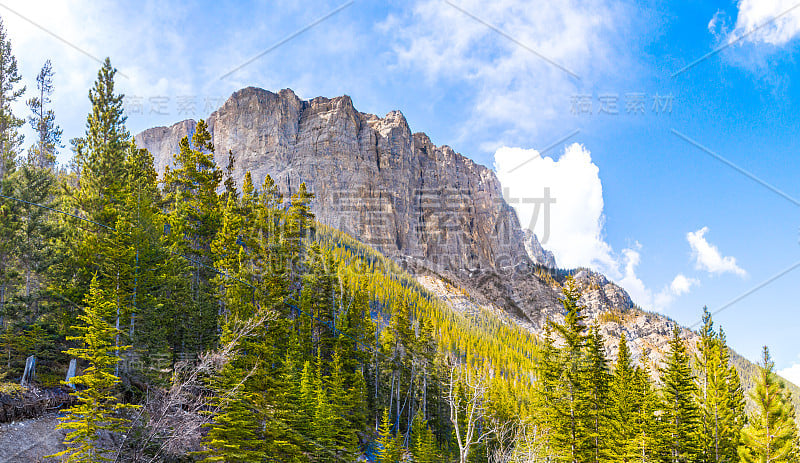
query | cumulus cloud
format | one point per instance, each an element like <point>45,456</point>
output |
<point>773,22</point>
<point>679,286</point>
<point>707,257</point>
<point>630,281</point>
<point>574,231</point>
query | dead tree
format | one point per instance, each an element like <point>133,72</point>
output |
<point>466,396</point>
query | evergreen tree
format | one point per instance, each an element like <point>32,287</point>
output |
<point>771,434</point>
<point>36,231</point>
<point>99,199</point>
<point>568,386</point>
<point>10,91</point>
<point>624,406</point>
<point>10,142</point>
<point>48,134</point>
<point>389,449</point>
<point>194,220</point>
<point>682,429</point>
<point>598,380</point>
<point>721,398</point>
<point>423,446</point>
<point>646,440</point>
<point>97,409</point>
<point>235,434</point>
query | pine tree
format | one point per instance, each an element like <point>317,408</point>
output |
<point>10,91</point>
<point>388,447</point>
<point>194,220</point>
<point>100,153</point>
<point>48,134</point>
<point>423,446</point>
<point>646,441</point>
<point>597,380</point>
<point>771,435</point>
<point>568,383</point>
<point>235,433</point>
<point>36,231</point>
<point>99,199</point>
<point>10,142</point>
<point>721,398</point>
<point>623,406</point>
<point>97,409</point>
<point>681,415</point>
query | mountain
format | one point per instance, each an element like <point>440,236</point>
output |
<point>436,213</point>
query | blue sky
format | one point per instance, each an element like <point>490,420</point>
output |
<point>499,83</point>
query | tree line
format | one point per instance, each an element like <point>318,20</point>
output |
<point>299,342</point>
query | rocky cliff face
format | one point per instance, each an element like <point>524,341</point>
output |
<point>426,206</point>
<point>536,252</point>
<point>371,176</point>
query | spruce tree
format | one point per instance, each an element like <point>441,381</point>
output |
<point>597,398</point>
<point>682,429</point>
<point>570,389</point>
<point>646,441</point>
<point>48,135</point>
<point>771,434</point>
<point>99,198</point>
<point>36,233</point>
<point>10,91</point>
<point>721,398</point>
<point>10,142</point>
<point>624,406</point>
<point>388,449</point>
<point>236,430</point>
<point>194,220</point>
<point>98,409</point>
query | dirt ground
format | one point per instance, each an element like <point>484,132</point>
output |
<point>30,441</point>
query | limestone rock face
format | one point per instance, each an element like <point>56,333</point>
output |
<point>371,176</point>
<point>536,252</point>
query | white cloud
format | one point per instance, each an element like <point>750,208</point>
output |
<point>575,233</point>
<point>681,284</point>
<point>707,257</point>
<point>631,282</point>
<point>516,92</point>
<point>772,22</point>
<point>791,373</point>
<point>576,217</point>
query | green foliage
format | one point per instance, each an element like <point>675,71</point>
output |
<point>721,397</point>
<point>682,430</point>
<point>97,409</point>
<point>771,434</point>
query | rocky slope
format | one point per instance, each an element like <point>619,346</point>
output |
<point>536,252</point>
<point>431,209</point>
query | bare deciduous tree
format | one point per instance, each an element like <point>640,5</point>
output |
<point>466,396</point>
<point>169,423</point>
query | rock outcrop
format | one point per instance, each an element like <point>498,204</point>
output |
<point>371,177</point>
<point>536,252</point>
